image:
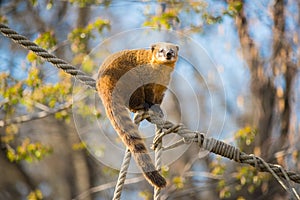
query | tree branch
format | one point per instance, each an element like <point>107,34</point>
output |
<point>34,116</point>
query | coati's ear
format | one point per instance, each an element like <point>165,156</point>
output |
<point>177,47</point>
<point>153,47</point>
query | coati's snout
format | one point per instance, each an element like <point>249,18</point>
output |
<point>169,55</point>
<point>164,53</point>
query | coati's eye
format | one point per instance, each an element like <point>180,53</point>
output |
<point>161,50</point>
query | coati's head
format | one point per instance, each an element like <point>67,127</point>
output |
<point>164,53</point>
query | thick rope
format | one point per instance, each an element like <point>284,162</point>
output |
<point>122,175</point>
<point>59,63</point>
<point>158,163</point>
<point>217,147</point>
<point>210,144</point>
<point>125,164</point>
<point>224,150</point>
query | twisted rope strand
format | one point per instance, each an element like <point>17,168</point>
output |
<point>122,175</point>
<point>59,63</point>
<point>158,163</point>
<point>226,150</point>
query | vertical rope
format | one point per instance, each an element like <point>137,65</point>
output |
<point>122,175</point>
<point>158,163</point>
<point>125,164</point>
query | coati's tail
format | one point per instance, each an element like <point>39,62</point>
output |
<point>129,134</point>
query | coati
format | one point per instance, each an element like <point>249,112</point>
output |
<point>136,79</point>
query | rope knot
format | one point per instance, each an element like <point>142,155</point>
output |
<point>140,116</point>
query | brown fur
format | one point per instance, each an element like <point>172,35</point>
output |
<point>128,79</point>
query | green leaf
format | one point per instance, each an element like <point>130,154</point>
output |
<point>34,2</point>
<point>31,56</point>
<point>35,195</point>
<point>46,40</point>
<point>235,6</point>
<point>49,5</point>
<point>11,155</point>
<point>178,182</point>
<point>100,24</point>
<point>28,151</point>
<point>3,19</point>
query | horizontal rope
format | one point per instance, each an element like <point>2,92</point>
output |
<point>215,146</point>
<point>59,63</point>
<point>220,148</point>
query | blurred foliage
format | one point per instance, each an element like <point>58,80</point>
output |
<point>178,182</point>
<point>80,3</point>
<point>165,20</point>
<point>233,8</point>
<point>3,19</point>
<point>45,40</point>
<point>79,146</point>
<point>245,137</point>
<point>50,95</point>
<point>10,132</point>
<point>248,177</point>
<point>210,19</point>
<point>165,171</point>
<point>88,64</point>
<point>110,172</point>
<point>79,38</point>
<point>171,15</point>
<point>146,195</point>
<point>34,2</point>
<point>28,151</point>
<point>12,91</point>
<point>84,3</point>
<point>218,168</point>
<point>35,195</point>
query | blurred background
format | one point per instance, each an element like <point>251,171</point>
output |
<point>237,80</point>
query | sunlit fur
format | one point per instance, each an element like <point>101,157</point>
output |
<point>143,64</point>
<point>160,51</point>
